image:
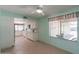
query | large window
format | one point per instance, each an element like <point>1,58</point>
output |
<point>64,27</point>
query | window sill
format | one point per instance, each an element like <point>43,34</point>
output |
<point>62,39</point>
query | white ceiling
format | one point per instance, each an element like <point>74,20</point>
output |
<point>28,9</point>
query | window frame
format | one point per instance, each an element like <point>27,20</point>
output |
<point>18,25</point>
<point>62,26</point>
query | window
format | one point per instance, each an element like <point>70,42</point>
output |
<point>54,27</point>
<point>69,28</point>
<point>19,27</point>
<point>64,27</point>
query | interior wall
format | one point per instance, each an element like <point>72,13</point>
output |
<point>11,14</point>
<point>6,32</point>
<point>7,28</point>
<point>43,29</point>
<point>70,46</point>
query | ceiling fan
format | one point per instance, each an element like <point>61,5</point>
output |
<point>39,10</point>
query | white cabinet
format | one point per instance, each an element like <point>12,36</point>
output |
<point>33,35</point>
<point>29,35</point>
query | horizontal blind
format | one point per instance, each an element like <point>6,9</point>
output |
<point>65,17</point>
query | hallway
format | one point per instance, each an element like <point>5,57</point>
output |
<point>25,46</point>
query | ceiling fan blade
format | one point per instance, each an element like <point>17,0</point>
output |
<point>33,12</point>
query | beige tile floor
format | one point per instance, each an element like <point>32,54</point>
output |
<point>25,46</point>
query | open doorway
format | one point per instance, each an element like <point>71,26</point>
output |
<point>26,28</point>
<point>19,26</point>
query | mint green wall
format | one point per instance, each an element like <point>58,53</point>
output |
<point>43,29</point>
<point>70,46</point>
<point>7,13</point>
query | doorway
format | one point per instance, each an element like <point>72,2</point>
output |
<point>19,26</point>
<point>26,28</point>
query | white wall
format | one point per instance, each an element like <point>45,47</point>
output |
<point>6,32</point>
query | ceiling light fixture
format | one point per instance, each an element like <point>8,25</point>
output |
<point>39,11</point>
